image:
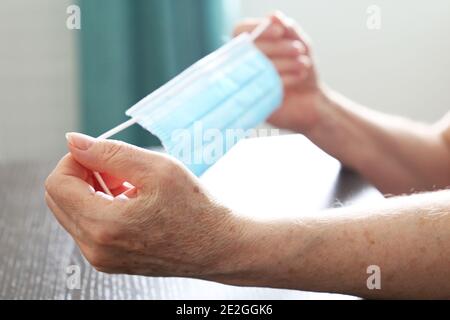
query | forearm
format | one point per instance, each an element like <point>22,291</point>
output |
<point>407,237</point>
<point>396,155</point>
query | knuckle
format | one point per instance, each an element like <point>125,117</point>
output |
<point>64,198</point>
<point>58,194</point>
<point>110,151</point>
<point>49,202</point>
<point>305,61</point>
<point>49,183</point>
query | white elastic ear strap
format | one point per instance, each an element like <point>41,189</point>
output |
<point>260,28</point>
<point>106,135</point>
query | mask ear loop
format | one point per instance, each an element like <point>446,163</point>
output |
<point>260,28</point>
<point>106,135</point>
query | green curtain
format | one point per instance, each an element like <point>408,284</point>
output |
<point>130,48</point>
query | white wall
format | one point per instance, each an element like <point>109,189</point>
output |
<point>38,93</point>
<point>404,68</point>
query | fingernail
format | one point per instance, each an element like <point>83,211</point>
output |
<point>79,140</point>
<point>304,60</point>
<point>277,30</point>
<point>297,45</point>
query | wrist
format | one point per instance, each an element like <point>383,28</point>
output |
<point>316,108</point>
<point>341,131</point>
<point>241,252</point>
<point>323,108</point>
<point>261,254</point>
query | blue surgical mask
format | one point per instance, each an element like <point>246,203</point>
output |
<point>234,88</point>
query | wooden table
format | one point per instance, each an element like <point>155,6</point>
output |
<point>265,177</point>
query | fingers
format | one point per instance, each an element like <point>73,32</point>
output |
<point>287,65</point>
<point>289,58</point>
<point>291,29</point>
<point>285,44</point>
<point>65,220</point>
<point>124,190</point>
<point>282,47</point>
<point>278,30</point>
<point>273,31</point>
<point>118,159</point>
<point>112,182</point>
<point>68,184</point>
<point>291,80</point>
<point>67,166</point>
<point>292,71</point>
<point>117,186</point>
<point>281,27</point>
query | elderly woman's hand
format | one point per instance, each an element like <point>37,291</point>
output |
<point>289,49</point>
<point>159,222</point>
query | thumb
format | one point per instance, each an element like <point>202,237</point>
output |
<point>292,30</point>
<point>119,159</point>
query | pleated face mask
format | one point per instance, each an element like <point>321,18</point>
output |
<point>200,114</point>
<point>234,88</point>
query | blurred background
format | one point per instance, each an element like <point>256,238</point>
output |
<point>54,79</point>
